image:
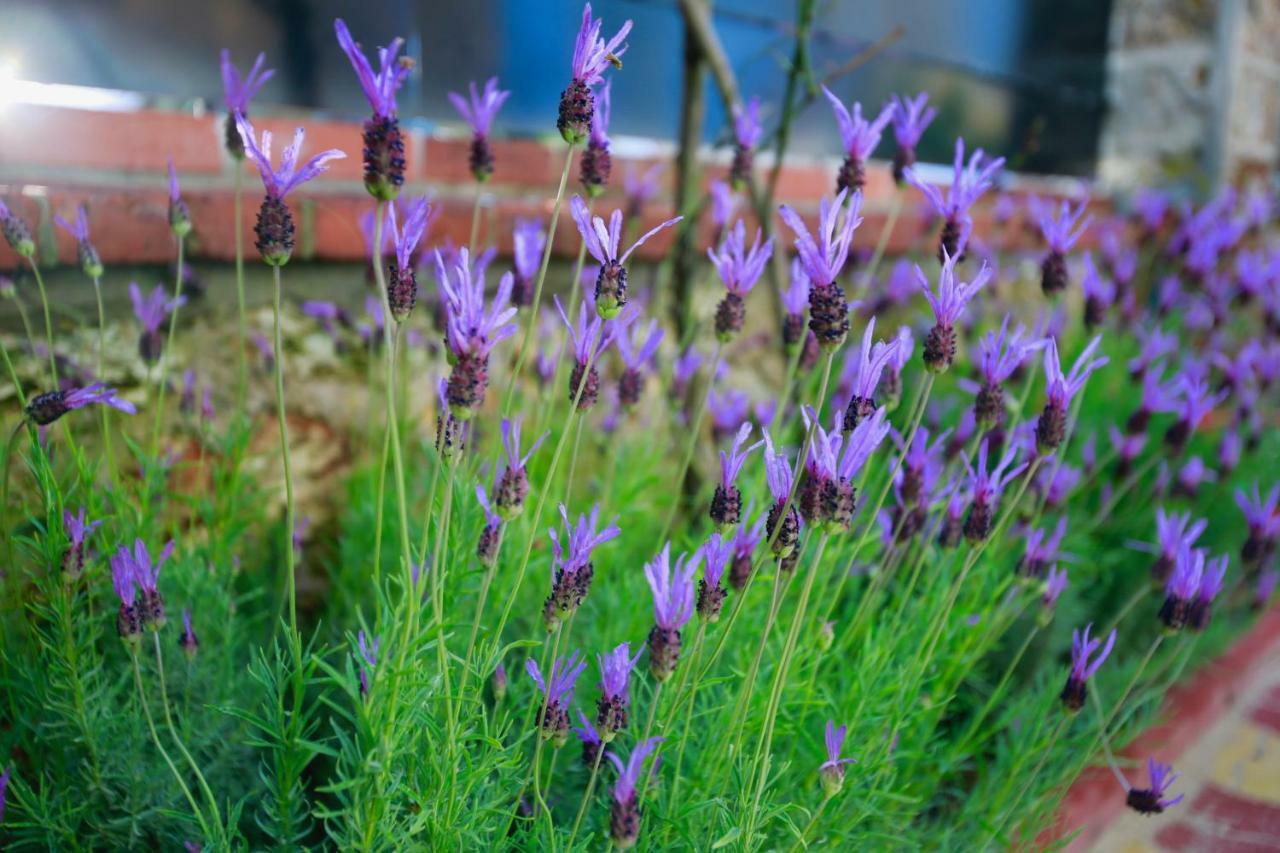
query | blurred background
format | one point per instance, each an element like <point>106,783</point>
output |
<point>1076,87</point>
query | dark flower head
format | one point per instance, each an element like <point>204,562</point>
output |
<point>859,136</point>
<point>90,262</point>
<point>16,233</point>
<point>44,409</point>
<point>823,258</point>
<point>1061,388</point>
<point>379,87</point>
<point>1083,649</point>
<point>624,815</point>
<point>1152,800</point>
<point>592,54</point>
<point>862,371</point>
<point>402,282</point>
<point>279,182</point>
<point>604,244</point>
<point>480,110</point>
<point>717,552</point>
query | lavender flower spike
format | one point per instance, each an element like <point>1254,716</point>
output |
<point>950,300</point>
<point>1174,532</point>
<point>832,770</point>
<point>472,332</point>
<point>528,241</point>
<point>16,233</point>
<point>999,356</point>
<point>589,338</point>
<point>1215,571</point>
<point>860,138</point>
<point>673,600</point>
<point>1060,233</point>
<point>1181,589</point>
<point>739,268</point>
<point>596,165</point>
<point>383,141</point>
<point>604,244</point>
<point>490,538</point>
<point>1263,523</point>
<point>784,531</point>
<point>77,531</point>
<point>870,364</point>
<point>747,131</point>
<point>717,552</point>
<point>726,503</point>
<point>1197,401</point>
<point>368,659</point>
<point>479,112</point>
<point>557,693</point>
<point>1082,669</point>
<point>275,227</point>
<point>151,313</point>
<point>987,487</point>
<point>1054,584</point>
<point>236,94</point>
<point>591,55</point>
<point>90,260</point>
<point>823,260</point>
<point>624,813</point>
<point>615,673</point>
<point>4,784</point>
<point>124,582</point>
<point>513,479</point>
<point>636,361</point>
<point>590,738</point>
<point>572,569</point>
<point>179,214</point>
<point>968,183</point>
<point>1152,800</point>
<point>1051,427</point>
<point>858,447</point>
<point>44,409</point>
<point>910,120</point>
<point>402,281</point>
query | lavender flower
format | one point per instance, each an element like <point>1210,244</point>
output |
<point>1197,402</point>
<point>1152,800</point>
<point>1181,588</point>
<point>1174,533</point>
<point>1082,668</point>
<point>275,227</point>
<point>179,214</point>
<point>588,339</point>
<point>236,94</point>
<point>784,530</point>
<point>986,487</point>
<point>1060,233</point>
<point>472,332</point>
<point>1054,584</point>
<point>1051,427</point>
<point>124,582</point>
<point>739,268</point>
<point>1265,588</point>
<point>1041,551</point>
<point>673,601</point>
<point>151,313</point>
<point>951,529</point>
<point>529,240</point>
<point>950,300</point>
<point>1263,522</point>
<point>1151,207</point>
<point>491,534</point>
<point>513,478</point>
<point>795,302</point>
<point>831,771</point>
<point>590,738</point>
<point>129,569</point>
<point>615,673</point>
<point>557,693</point>
<point>717,552</point>
<point>636,361</point>
<point>596,164</point>
<point>747,131</point>
<point>866,368</point>
<point>90,260</point>
<point>383,141</point>
<point>910,120</point>
<point>499,683</point>
<point>823,260</point>
<point>1190,476</point>
<point>571,568</point>
<point>1000,354</point>
<point>726,503</point>
<point>402,281</point>
<point>744,542</point>
<point>77,531</point>
<point>479,112</point>
<point>16,232</point>
<point>44,409</point>
<point>1210,585</point>
<point>891,380</point>
<point>683,370</point>
<point>624,813</point>
<point>368,660</point>
<point>1156,344</point>
<point>591,55</point>
<point>188,641</point>
<point>1099,293</point>
<point>639,188</point>
<point>860,138</point>
<point>968,183</point>
<point>604,244</point>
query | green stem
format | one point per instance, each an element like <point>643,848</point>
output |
<point>996,693</point>
<point>475,219</point>
<point>801,844</point>
<point>295,637</point>
<point>586,796</point>
<point>173,731</point>
<point>48,323</point>
<point>105,410</point>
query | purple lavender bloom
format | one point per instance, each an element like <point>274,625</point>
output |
<point>683,370</point>
<point>124,582</point>
<point>179,214</point>
<point>1197,402</point>
<point>673,601</point>
<point>968,183</point>
<point>639,188</point>
<point>1263,522</point>
<point>624,813</point>
<point>891,381</point>
<point>1210,585</point>
<point>1152,800</point>
<point>1156,344</point>
<point>513,478</point>
<point>723,203</point>
<point>236,94</point>
<point>146,575</point>
<point>823,260</point>
<point>1174,533</point>
<point>16,233</point>
<point>951,528</point>
<point>739,268</point>
<point>831,771</point>
<point>1099,293</point>
<point>747,131</point>
<point>865,367</point>
<point>860,138</point>
<point>604,244</point>
<point>795,302</point>
<point>784,530</point>
<point>188,641</point>
<point>1057,484</point>
<point>717,553</point>
<point>1082,668</point>
<point>557,693</point>
<point>596,164</point>
<point>859,445</point>
<point>590,738</point>
<point>383,141</point>
<point>744,542</point>
<point>44,409</point>
<point>910,120</point>
<point>490,539</point>
<point>1181,588</point>
<point>816,495</point>
<point>1151,206</point>
<point>588,340</point>
<point>77,532</point>
<point>275,226</point>
<point>591,55</point>
<point>1000,355</point>
<point>1041,551</point>
<point>90,261</point>
<point>402,282</point>
<point>636,361</point>
<point>921,466</point>
<point>571,568</point>
<point>1229,450</point>
<point>986,488</point>
<point>471,332</point>
<point>529,240</point>
<point>151,313</point>
<point>615,673</point>
<point>950,300</point>
<point>368,659</point>
<point>479,112</point>
<point>726,503</point>
<point>1190,476</point>
<point>1061,388</point>
<point>1060,233</point>
<point>1055,583</point>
